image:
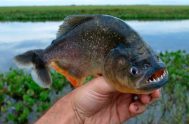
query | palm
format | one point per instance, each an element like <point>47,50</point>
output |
<point>96,103</point>
<point>114,110</point>
<point>103,104</point>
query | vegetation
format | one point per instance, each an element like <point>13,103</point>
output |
<point>55,13</point>
<point>173,108</point>
<point>22,101</point>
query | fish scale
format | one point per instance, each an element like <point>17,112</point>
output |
<point>97,45</point>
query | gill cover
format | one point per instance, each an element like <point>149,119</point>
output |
<point>116,68</point>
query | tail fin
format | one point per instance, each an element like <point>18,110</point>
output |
<point>39,70</point>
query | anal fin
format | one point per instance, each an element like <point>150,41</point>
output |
<point>73,80</point>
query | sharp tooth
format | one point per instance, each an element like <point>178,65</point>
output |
<point>154,80</point>
<point>163,73</point>
<point>150,81</point>
<point>161,76</point>
<point>158,79</point>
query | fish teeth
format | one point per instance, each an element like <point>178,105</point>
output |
<point>154,80</point>
<point>158,79</point>
<point>164,74</point>
<point>161,76</point>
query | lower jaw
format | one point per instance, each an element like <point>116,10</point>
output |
<point>149,88</point>
<point>135,91</point>
<point>142,90</point>
<point>125,89</point>
<point>154,86</point>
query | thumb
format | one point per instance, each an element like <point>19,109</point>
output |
<point>100,85</point>
<point>92,96</point>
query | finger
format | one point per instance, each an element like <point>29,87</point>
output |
<point>145,99</point>
<point>155,95</point>
<point>100,85</point>
<point>136,108</point>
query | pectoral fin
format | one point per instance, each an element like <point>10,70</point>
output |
<point>72,79</point>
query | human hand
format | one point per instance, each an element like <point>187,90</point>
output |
<point>97,103</point>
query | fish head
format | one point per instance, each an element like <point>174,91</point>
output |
<point>135,70</point>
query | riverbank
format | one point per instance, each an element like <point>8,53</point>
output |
<point>57,13</point>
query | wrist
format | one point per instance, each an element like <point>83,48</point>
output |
<point>62,112</point>
<point>74,115</point>
<point>69,114</point>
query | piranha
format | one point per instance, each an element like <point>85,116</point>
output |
<point>97,45</point>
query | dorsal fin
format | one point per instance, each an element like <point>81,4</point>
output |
<point>71,21</point>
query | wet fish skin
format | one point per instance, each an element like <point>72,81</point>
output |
<point>98,45</point>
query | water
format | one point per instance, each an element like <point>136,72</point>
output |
<point>17,37</point>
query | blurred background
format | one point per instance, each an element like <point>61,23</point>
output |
<point>32,24</point>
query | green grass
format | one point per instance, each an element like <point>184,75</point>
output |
<point>55,13</point>
<point>22,101</point>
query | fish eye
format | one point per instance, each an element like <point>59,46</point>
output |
<point>134,71</point>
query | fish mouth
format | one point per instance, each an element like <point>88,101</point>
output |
<point>156,80</point>
<point>157,76</point>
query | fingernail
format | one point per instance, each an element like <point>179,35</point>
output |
<point>136,107</point>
